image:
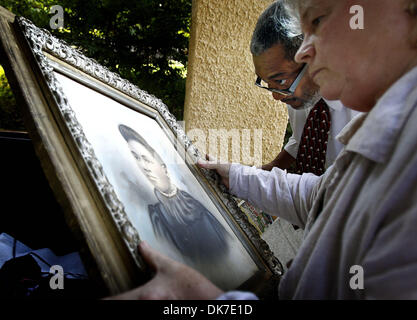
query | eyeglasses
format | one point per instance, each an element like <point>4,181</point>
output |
<point>285,92</point>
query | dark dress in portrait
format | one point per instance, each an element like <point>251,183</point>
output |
<point>189,226</point>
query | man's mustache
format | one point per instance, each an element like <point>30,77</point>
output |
<point>291,100</point>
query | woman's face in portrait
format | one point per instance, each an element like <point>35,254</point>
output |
<point>356,66</point>
<point>155,171</point>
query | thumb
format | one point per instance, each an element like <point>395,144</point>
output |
<point>207,164</point>
<point>210,158</point>
<point>153,258</point>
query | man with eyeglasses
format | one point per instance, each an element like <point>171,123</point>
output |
<point>315,123</point>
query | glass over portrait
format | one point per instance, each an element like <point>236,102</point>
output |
<point>163,199</point>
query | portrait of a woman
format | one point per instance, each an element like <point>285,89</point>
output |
<point>177,217</point>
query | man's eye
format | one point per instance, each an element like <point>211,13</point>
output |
<point>146,160</point>
<point>317,21</point>
<point>281,82</point>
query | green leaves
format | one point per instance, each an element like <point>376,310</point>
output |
<point>10,118</point>
<point>146,41</point>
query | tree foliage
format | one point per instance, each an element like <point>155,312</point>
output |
<point>10,117</point>
<point>145,41</point>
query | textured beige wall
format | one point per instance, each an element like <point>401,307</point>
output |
<point>220,90</point>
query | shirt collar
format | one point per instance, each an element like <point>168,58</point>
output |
<point>334,104</point>
<point>375,134</point>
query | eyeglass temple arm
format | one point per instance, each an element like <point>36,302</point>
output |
<point>298,79</point>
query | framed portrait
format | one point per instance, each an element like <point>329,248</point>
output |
<point>124,171</point>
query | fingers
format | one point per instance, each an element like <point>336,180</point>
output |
<point>209,162</point>
<point>203,163</point>
<point>206,164</point>
<point>172,281</point>
<point>210,158</point>
<point>151,290</point>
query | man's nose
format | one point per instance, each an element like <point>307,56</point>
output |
<point>306,52</point>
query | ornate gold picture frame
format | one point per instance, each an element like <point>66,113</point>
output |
<point>89,126</point>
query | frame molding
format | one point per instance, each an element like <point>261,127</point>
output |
<point>41,41</point>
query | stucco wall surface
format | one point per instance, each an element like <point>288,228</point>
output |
<point>220,90</point>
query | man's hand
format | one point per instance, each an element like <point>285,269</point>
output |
<point>172,281</point>
<point>221,168</point>
<point>283,161</point>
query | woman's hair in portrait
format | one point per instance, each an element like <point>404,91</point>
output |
<point>130,134</point>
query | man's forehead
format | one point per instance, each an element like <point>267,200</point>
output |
<point>274,61</point>
<point>298,6</point>
<point>305,6</point>
<point>302,8</point>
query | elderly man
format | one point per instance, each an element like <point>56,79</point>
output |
<point>315,122</point>
<point>360,215</point>
<point>273,48</point>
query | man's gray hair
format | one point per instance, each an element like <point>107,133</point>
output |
<point>293,7</point>
<point>276,26</point>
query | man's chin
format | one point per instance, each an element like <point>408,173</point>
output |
<point>302,104</point>
<point>299,106</point>
<point>296,103</point>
